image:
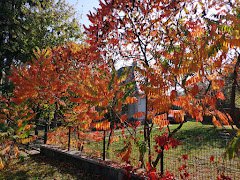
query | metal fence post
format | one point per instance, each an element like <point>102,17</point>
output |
<point>161,163</point>
<point>104,142</point>
<point>69,137</point>
<point>45,133</point>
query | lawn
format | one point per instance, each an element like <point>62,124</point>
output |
<point>199,142</point>
<point>193,135</point>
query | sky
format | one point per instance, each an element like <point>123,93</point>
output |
<point>83,7</point>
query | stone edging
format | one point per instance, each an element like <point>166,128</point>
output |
<point>90,165</point>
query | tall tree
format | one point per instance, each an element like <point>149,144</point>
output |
<point>28,24</point>
<point>179,45</point>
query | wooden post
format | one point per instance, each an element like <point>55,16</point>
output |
<point>104,142</point>
<point>69,137</point>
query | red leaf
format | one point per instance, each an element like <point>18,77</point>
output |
<point>123,118</point>
<point>212,158</point>
<point>153,175</point>
<point>185,157</point>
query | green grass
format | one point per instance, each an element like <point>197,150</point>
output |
<point>237,99</point>
<point>199,142</point>
<point>193,135</point>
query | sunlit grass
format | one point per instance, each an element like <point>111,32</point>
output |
<point>199,142</point>
<point>193,135</point>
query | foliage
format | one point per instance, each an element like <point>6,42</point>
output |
<point>15,129</point>
<point>79,138</point>
<point>90,94</point>
<point>182,51</point>
<point>179,59</point>
<point>29,24</point>
<point>233,147</point>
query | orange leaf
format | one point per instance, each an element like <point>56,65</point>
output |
<point>223,117</point>
<point>173,94</point>
<point>177,114</point>
<point>131,100</point>
<point>138,115</point>
<point>153,33</point>
<point>220,95</point>
<point>161,120</point>
<point>193,80</point>
<point>125,155</point>
<point>19,123</point>
<point>215,121</point>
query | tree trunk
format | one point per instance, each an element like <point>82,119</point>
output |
<point>55,116</point>
<point>37,119</point>
<point>109,138</point>
<point>233,94</point>
<point>159,156</point>
<point>147,132</point>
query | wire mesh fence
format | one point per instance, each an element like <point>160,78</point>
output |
<point>204,162</point>
<point>205,159</point>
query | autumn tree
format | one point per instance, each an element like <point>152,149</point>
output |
<point>43,82</point>
<point>182,50</point>
<point>26,25</point>
<point>76,79</point>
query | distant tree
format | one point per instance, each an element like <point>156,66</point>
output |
<point>28,24</point>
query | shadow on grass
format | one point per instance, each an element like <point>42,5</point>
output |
<point>41,167</point>
<point>14,175</point>
<point>201,137</point>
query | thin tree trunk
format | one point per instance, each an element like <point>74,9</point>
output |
<point>46,129</point>
<point>170,135</point>
<point>109,138</point>
<point>147,132</point>
<point>45,132</point>
<point>233,94</point>
<point>55,117</point>
<point>37,120</point>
